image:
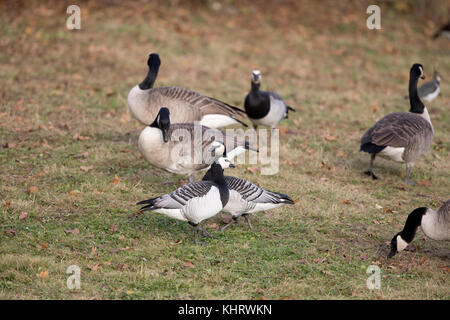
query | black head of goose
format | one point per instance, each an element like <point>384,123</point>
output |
<point>193,202</point>
<point>264,107</point>
<point>247,198</point>
<point>186,106</point>
<point>435,224</point>
<point>186,148</point>
<point>401,136</point>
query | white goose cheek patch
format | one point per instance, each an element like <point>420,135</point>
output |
<point>401,244</point>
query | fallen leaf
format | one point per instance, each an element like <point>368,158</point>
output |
<point>188,264</point>
<point>92,267</point>
<point>378,206</point>
<point>422,260</point>
<point>330,138</point>
<point>340,153</point>
<point>446,269</point>
<point>23,215</point>
<point>74,231</point>
<point>43,274</point>
<point>113,229</point>
<point>227,218</point>
<point>86,168</point>
<point>346,201</point>
<point>254,169</point>
<point>73,192</point>
<point>10,233</point>
<point>115,180</point>
<point>6,204</point>
<point>387,210</point>
<point>93,251</point>
<point>33,189</point>
<point>425,183</point>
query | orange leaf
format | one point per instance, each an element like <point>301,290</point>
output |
<point>346,201</point>
<point>23,215</point>
<point>115,180</point>
<point>73,192</point>
<point>33,189</point>
<point>188,264</point>
<point>43,274</point>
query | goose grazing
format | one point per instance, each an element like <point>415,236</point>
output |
<point>193,202</point>
<point>264,107</point>
<point>401,136</point>
<point>246,198</point>
<point>186,106</point>
<point>430,90</point>
<point>443,31</point>
<point>185,148</point>
<point>435,224</point>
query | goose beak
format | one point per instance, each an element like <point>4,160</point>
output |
<point>232,165</point>
<point>166,135</point>
<point>422,77</point>
<point>391,253</point>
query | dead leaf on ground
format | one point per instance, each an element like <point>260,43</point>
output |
<point>43,274</point>
<point>446,269</point>
<point>93,267</point>
<point>346,201</point>
<point>33,189</point>
<point>23,215</point>
<point>425,183</point>
<point>330,138</point>
<point>115,180</point>
<point>73,192</point>
<point>86,168</point>
<point>73,231</point>
<point>227,218</point>
<point>10,233</point>
<point>254,169</point>
<point>188,264</point>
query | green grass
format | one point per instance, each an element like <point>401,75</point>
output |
<point>63,108</point>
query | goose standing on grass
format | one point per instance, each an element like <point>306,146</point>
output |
<point>401,136</point>
<point>185,148</point>
<point>186,106</point>
<point>443,31</point>
<point>435,224</point>
<point>430,90</point>
<point>247,198</point>
<point>264,107</point>
<point>193,202</point>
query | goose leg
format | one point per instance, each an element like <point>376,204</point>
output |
<point>233,221</point>
<point>408,172</point>
<point>205,233</point>
<point>370,171</point>
<point>196,229</point>
<point>247,218</point>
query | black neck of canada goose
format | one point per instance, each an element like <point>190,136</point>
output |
<point>416,104</point>
<point>153,64</point>
<point>413,221</point>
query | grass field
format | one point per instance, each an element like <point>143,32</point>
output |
<point>71,173</point>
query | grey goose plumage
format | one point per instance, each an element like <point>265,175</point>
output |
<point>186,148</point>
<point>443,31</point>
<point>264,107</point>
<point>431,89</point>
<point>401,136</point>
<point>247,198</point>
<point>187,106</point>
<point>435,224</point>
<point>193,202</point>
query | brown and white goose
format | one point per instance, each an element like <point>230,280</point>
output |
<point>186,148</point>
<point>186,106</point>
<point>435,224</point>
<point>401,136</point>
